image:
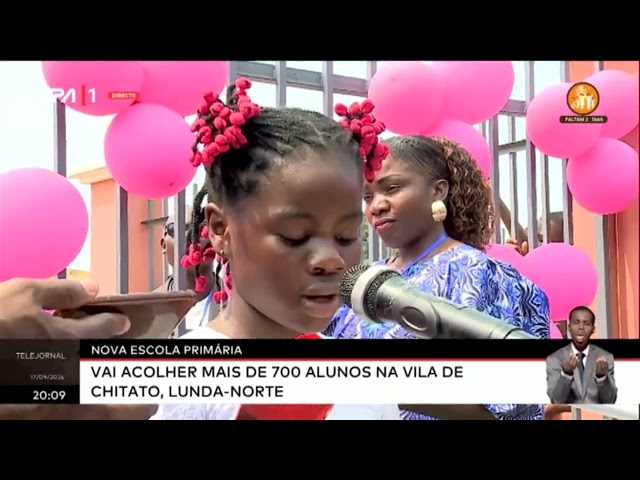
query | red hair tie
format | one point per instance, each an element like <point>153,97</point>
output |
<point>366,129</point>
<point>218,126</point>
<point>201,283</point>
<point>219,297</point>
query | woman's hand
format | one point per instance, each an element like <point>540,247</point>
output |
<point>522,248</point>
<point>551,412</point>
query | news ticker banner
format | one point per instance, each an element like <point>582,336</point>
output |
<point>292,371</point>
<point>344,372</point>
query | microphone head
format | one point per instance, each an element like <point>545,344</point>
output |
<point>359,289</point>
<point>349,281</point>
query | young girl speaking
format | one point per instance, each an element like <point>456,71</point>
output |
<point>284,219</point>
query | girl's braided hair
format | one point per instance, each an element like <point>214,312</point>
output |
<point>237,142</point>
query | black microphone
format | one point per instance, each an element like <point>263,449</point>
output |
<point>379,294</point>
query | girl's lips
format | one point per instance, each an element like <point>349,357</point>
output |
<point>321,306</point>
<point>384,225</point>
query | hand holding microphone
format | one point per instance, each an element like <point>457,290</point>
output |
<point>23,303</point>
<point>379,294</point>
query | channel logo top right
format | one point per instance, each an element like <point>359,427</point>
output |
<point>583,100</point>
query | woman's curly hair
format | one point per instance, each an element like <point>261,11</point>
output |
<point>470,205</point>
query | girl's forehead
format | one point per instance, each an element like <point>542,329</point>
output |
<point>318,188</point>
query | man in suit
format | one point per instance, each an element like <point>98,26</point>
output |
<point>581,373</point>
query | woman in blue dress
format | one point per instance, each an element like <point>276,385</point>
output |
<point>431,203</point>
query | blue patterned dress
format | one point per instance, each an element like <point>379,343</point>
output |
<point>466,276</point>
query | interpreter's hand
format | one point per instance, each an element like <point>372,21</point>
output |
<point>23,303</point>
<point>22,316</point>
<point>602,367</point>
<point>570,363</point>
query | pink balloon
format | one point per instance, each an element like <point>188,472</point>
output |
<point>180,86</point>
<point>549,135</point>
<point>506,254</point>
<point>475,91</point>
<point>408,96</point>
<point>469,138</point>
<point>554,331</point>
<point>146,149</point>
<point>43,223</point>
<point>94,88</point>
<point>604,180</point>
<point>565,274</point>
<point>619,101</point>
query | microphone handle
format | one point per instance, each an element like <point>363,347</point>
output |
<point>428,317</point>
<point>519,334</point>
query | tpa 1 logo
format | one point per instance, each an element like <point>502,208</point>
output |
<point>73,97</point>
<point>84,95</point>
